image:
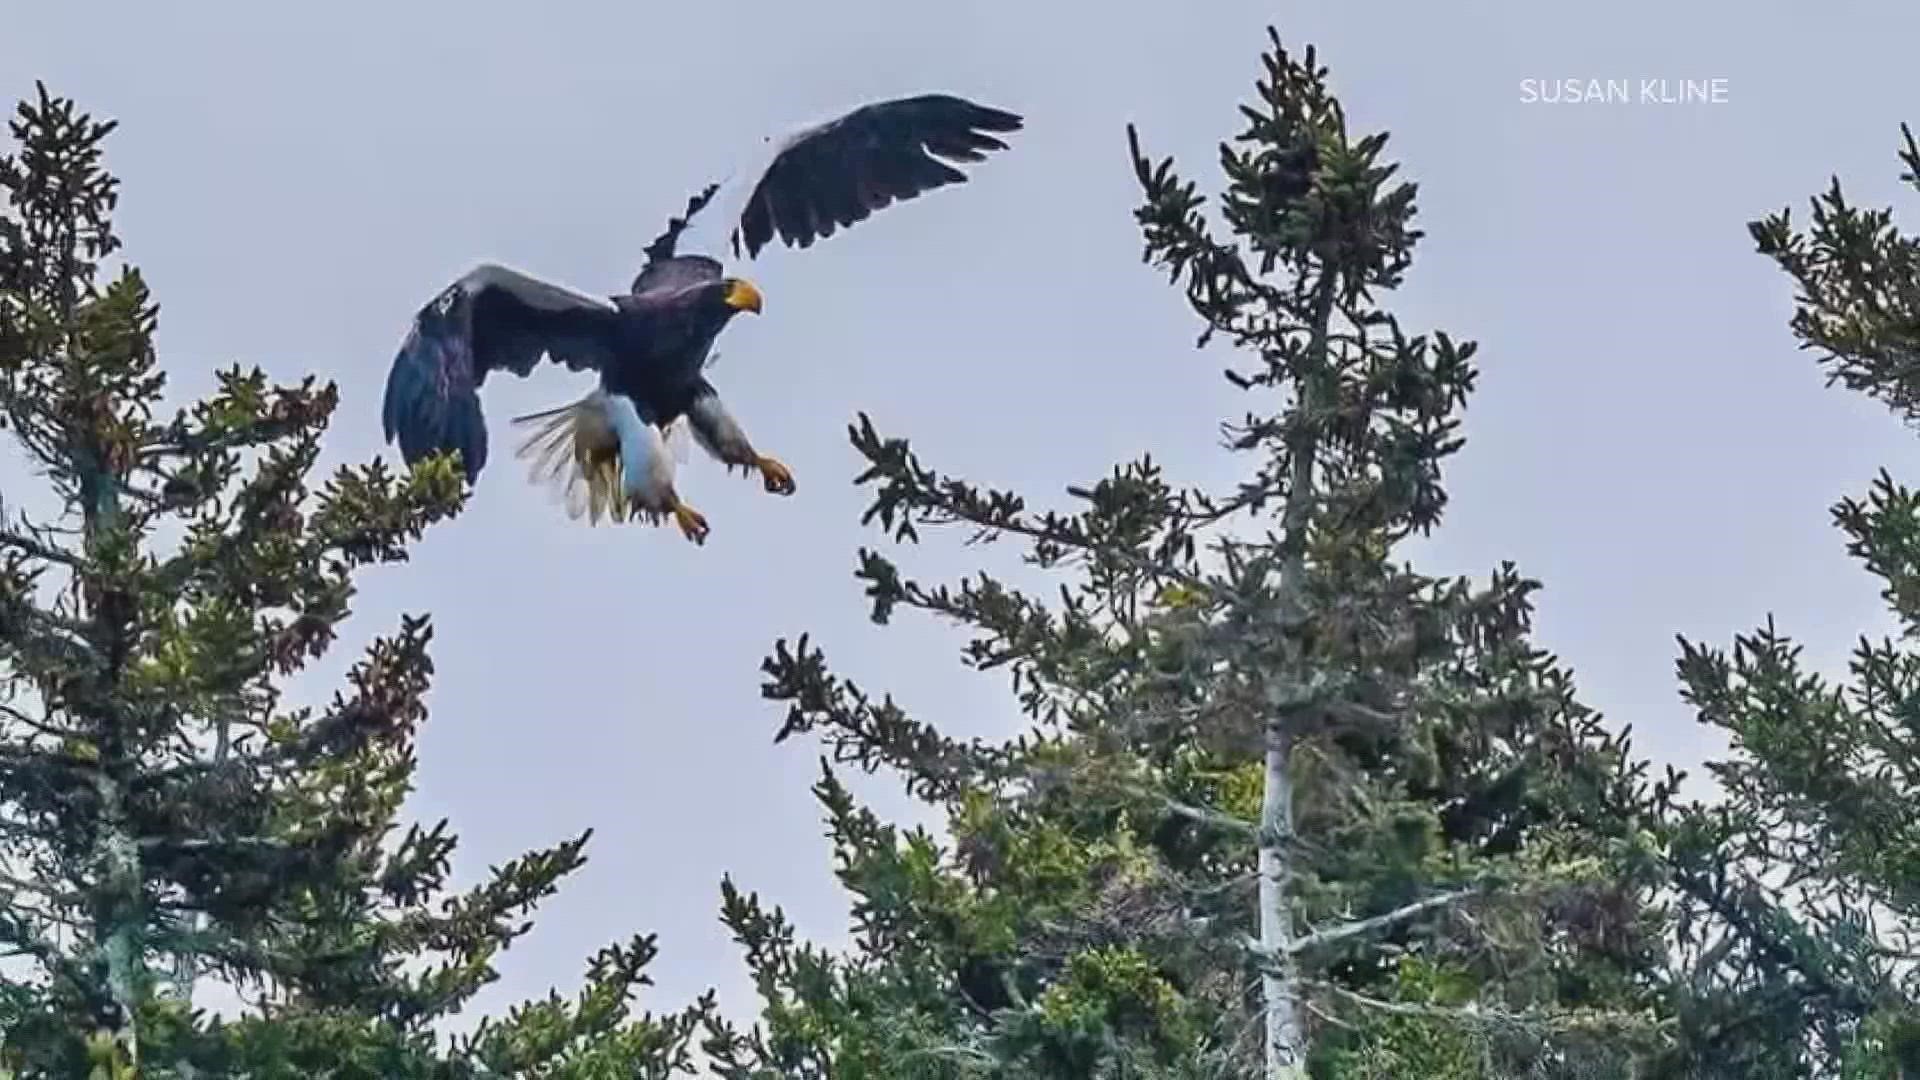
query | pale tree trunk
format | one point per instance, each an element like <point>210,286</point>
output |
<point>1286,1036</point>
<point>118,904</point>
<point>118,917</point>
<point>1285,1042</point>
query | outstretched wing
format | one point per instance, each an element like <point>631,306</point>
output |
<point>492,319</point>
<point>831,175</point>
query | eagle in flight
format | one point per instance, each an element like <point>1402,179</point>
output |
<point>651,347</point>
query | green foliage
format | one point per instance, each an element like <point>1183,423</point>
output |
<point>1410,1044</point>
<point>1097,909</point>
<point>1796,892</point>
<point>164,814</point>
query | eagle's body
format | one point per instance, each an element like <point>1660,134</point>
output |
<point>651,345</point>
<point>664,333</point>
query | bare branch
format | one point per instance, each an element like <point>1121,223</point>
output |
<point>1595,1020</point>
<point>1214,818</point>
<point>1334,935</point>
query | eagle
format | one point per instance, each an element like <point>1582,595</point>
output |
<point>651,347</point>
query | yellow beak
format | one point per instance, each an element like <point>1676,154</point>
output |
<point>742,296</point>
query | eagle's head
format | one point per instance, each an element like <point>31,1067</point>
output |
<point>738,294</point>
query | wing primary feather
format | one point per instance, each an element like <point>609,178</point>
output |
<point>665,245</point>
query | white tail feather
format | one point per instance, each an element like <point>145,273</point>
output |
<point>574,449</point>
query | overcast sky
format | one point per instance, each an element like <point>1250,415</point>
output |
<point>1647,440</point>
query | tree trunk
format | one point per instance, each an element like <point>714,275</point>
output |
<point>1285,1041</point>
<point>118,902</point>
<point>1286,1036</point>
<point>118,918</point>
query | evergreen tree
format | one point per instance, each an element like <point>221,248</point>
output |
<point>1798,890</point>
<point>1285,804</point>
<point>164,815</point>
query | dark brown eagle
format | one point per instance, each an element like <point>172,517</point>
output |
<point>650,347</point>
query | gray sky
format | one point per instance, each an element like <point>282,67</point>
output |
<point>1647,440</point>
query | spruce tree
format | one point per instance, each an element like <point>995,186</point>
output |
<point>1285,803</point>
<point>1798,886</point>
<point>165,815</point>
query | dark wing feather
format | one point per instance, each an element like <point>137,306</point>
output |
<point>664,245</point>
<point>838,173</point>
<point>492,319</point>
<point>673,273</point>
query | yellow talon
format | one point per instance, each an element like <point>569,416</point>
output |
<point>691,522</point>
<point>778,478</point>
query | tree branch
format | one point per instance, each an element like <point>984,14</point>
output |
<point>1214,818</point>
<point>1334,935</point>
<point>33,549</point>
<point>1475,1014</point>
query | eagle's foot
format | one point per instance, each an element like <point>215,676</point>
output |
<point>778,478</point>
<point>692,522</point>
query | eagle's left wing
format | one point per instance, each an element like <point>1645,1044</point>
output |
<point>832,175</point>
